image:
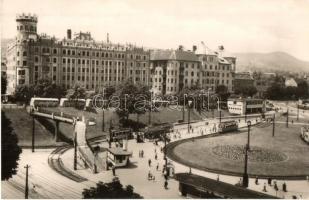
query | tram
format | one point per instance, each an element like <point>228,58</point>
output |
<point>157,132</point>
<point>228,126</point>
<point>121,134</point>
<point>304,134</point>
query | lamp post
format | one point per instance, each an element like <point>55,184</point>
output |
<point>245,175</point>
<point>183,107</point>
<point>287,118</point>
<point>297,110</point>
<point>75,152</point>
<point>103,114</point>
<point>249,125</point>
<point>274,125</point>
<point>189,108</point>
<point>208,98</point>
<point>33,135</point>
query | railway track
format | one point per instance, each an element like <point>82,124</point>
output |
<point>55,162</point>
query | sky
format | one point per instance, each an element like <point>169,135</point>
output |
<point>238,25</point>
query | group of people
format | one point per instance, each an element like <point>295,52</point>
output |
<point>272,183</point>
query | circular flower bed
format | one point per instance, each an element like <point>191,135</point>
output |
<point>255,154</point>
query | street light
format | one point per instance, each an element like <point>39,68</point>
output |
<point>183,107</point>
<point>189,108</point>
<point>245,175</point>
<point>208,97</point>
<point>274,125</point>
<point>103,114</point>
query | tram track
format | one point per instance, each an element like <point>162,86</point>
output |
<point>55,162</point>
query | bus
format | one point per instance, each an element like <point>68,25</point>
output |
<point>228,126</point>
<point>44,102</point>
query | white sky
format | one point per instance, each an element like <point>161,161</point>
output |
<point>239,25</point>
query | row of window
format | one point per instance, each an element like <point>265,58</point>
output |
<point>94,54</point>
<point>26,28</point>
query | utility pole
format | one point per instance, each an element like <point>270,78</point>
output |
<point>75,152</point>
<point>245,175</point>
<point>33,129</point>
<point>287,118</point>
<point>274,125</point>
<point>150,109</point>
<point>26,186</point>
<point>297,111</point>
<point>189,108</point>
<point>220,117</point>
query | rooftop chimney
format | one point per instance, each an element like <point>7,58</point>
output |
<point>194,48</point>
<point>69,34</point>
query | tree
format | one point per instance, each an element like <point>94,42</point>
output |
<point>112,190</point>
<point>76,92</point>
<point>132,98</point>
<point>9,149</point>
<point>246,90</point>
<point>4,83</point>
<point>45,88</point>
<point>303,89</point>
<point>223,93</point>
<point>24,93</point>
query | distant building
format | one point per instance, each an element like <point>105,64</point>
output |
<point>243,78</point>
<point>245,106</point>
<point>290,82</point>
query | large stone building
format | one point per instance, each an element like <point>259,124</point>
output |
<point>79,58</point>
<point>73,59</point>
<point>173,70</point>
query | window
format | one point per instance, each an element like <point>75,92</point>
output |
<point>63,60</point>
<point>24,53</point>
<point>24,63</point>
<point>36,59</point>
<point>55,60</point>
<point>55,51</point>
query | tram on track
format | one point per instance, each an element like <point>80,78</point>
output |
<point>228,126</point>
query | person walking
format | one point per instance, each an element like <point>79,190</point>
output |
<point>165,184</point>
<point>284,188</point>
<point>149,162</point>
<point>157,167</point>
<point>156,156</point>
<point>269,181</point>
<point>264,188</point>
<point>256,180</point>
<point>114,170</point>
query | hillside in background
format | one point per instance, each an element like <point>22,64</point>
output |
<point>275,61</point>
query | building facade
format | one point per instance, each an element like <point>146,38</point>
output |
<point>79,58</point>
<point>174,70</point>
<point>73,59</point>
<point>245,106</point>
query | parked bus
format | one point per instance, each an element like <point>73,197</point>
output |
<point>44,102</point>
